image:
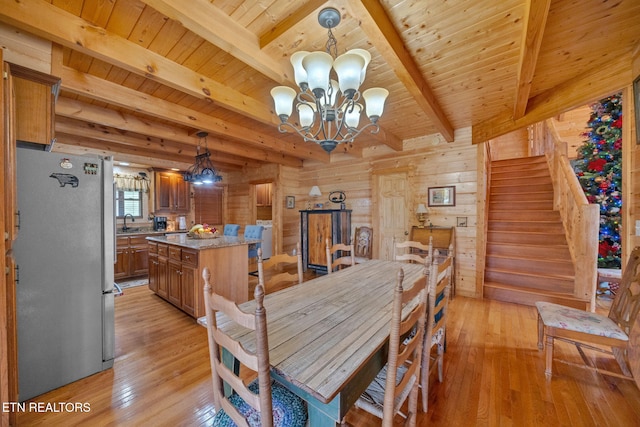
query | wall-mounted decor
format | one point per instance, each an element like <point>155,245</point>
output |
<point>636,100</point>
<point>442,196</point>
<point>461,221</point>
<point>291,202</point>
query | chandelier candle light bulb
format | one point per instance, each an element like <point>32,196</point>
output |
<point>329,110</point>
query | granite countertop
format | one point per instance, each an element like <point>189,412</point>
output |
<point>200,244</point>
<point>133,231</point>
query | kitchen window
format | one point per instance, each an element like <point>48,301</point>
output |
<point>128,202</point>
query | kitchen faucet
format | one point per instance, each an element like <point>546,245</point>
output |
<point>124,227</point>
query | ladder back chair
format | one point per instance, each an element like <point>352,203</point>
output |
<point>343,259</point>
<point>408,247</point>
<point>400,377</point>
<point>586,330</point>
<point>439,276</point>
<point>263,402</point>
<point>362,243</point>
<point>279,269</point>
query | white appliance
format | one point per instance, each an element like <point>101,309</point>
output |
<point>267,237</point>
<point>182,223</point>
<point>65,253</point>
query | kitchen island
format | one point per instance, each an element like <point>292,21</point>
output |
<point>175,269</point>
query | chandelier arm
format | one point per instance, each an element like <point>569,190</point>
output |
<point>348,137</point>
<point>304,133</point>
<point>367,126</point>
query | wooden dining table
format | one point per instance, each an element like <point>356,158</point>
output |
<point>327,336</point>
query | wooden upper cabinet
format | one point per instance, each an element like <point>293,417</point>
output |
<point>35,95</point>
<point>9,158</point>
<point>263,194</point>
<point>171,193</point>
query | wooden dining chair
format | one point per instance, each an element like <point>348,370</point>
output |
<point>407,251</point>
<point>278,268</point>
<point>344,256</point>
<point>262,402</point>
<point>362,244</point>
<point>399,379</point>
<point>439,277</point>
<point>586,330</point>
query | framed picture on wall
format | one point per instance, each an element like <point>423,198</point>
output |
<point>291,202</point>
<point>442,196</point>
<point>636,105</point>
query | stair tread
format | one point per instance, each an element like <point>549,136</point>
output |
<point>518,257</point>
<point>520,273</point>
<point>518,245</point>
<point>530,290</point>
<point>529,222</point>
<point>521,232</point>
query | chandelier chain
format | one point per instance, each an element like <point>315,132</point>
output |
<point>332,44</point>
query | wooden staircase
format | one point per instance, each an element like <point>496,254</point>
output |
<point>528,258</point>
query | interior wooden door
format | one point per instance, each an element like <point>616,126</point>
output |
<point>392,221</point>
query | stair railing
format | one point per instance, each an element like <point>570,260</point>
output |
<point>581,220</point>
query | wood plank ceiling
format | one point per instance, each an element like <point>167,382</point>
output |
<point>140,78</point>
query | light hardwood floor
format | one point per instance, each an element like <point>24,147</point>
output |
<point>494,375</point>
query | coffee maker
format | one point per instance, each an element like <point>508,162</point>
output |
<point>160,223</point>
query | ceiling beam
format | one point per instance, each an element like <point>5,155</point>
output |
<point>535,21</point>
<point>63,148</point>
<point>99,89</point>
<point>152,146</point>
<point>382,34</point>
<point>601,82</point>
<point>219,29</point>
<point>66,107</point>
<point>43,19</point>
<point>76,144</point>
<point>291,20</point>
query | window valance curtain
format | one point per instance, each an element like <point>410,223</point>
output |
<point>131,183</point>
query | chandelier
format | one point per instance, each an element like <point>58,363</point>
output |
<point>329,110</point>
<point>202,171</point>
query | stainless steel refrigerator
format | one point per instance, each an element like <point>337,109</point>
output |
<point>65,256</point>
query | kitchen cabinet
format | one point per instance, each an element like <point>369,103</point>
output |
<point>171,193</point>
<point>158,267</point>
<point>132,257</point>
<point>315,227</point>
<point>9,151</point>
<point>263,194</point>
<point>162,271</point>
<point>35,95</point>
<point>153,266</point>
<point>181,281</point>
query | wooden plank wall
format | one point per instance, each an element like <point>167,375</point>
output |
<point>512,145</point>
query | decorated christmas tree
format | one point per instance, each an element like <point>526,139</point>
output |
<point>599,169</point>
